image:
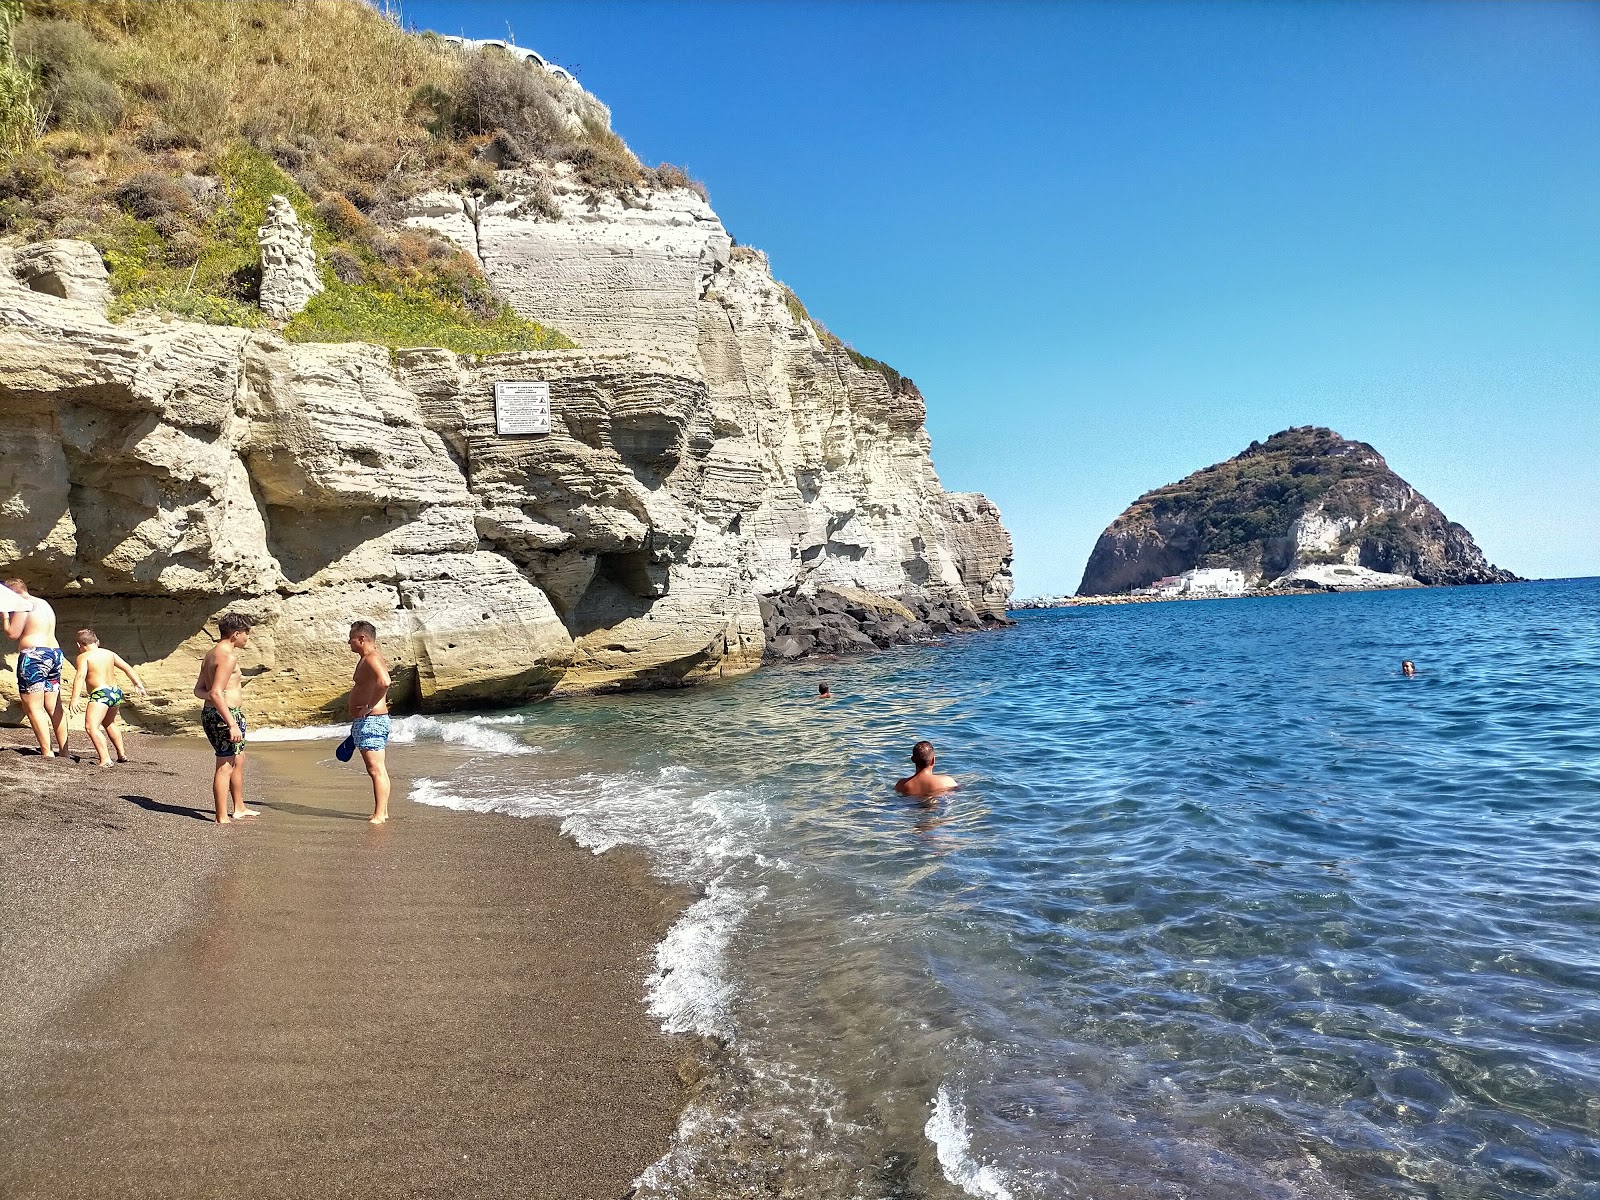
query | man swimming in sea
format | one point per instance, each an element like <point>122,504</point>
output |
<point>823,693</point>
<point>1408,668</point>
<point>221,686</point>
<point>96,672</point>
<point>38,667</point>
<point>369,713</point>
<point>923,783</point>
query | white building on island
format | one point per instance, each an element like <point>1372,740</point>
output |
<point>1201,581</point>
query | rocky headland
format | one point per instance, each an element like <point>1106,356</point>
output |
<point>1305,510</point>
<point>723,478</point>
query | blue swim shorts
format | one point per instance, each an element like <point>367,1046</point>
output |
<point>39,670</point>
<point>370,733</point>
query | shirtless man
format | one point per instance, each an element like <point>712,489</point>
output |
<point>38,667</point>
<point>923,783</point>
<point>96,672</point>
<point>221,686</point>
<point>369,713</point>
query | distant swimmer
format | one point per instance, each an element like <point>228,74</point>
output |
<point>31,622</point>
<point>96,677</point>
<point>1408,668</point>
<point>221,686</point>
<point>823,693</point>
<point>923,783</point>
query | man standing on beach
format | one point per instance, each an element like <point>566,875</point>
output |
<point>369,713</point>
<point>221,686</point>
<point>33,626</point>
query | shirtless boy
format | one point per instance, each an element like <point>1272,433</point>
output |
<point>221,686</point>
<point>923,783</point>
<point>38,668</point>
<point>369,713</point>
<point>96,671</point>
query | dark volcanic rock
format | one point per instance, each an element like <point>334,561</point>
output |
<point>848,621</point>
<point>1304,497</point>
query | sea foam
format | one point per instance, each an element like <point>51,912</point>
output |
<point>473,733</point>
<point>952,1141</point>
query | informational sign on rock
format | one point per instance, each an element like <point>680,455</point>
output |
<point>521,407</point>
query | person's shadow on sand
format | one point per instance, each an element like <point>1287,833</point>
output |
<point>176,810</point>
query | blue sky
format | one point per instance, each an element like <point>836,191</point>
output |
<point>1115,242</point>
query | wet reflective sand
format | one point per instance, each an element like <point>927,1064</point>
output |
<point>449,1005</point>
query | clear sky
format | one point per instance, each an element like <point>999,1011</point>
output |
<point>1115,242</point>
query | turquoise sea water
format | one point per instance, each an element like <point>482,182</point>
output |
<point>1225,906</point>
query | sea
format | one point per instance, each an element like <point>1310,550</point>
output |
<point>1225,906</point>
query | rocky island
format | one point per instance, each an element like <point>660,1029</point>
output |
<point>249,359</point>
<point>1305,510</point>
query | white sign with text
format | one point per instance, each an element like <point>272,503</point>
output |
<point>520,407</point>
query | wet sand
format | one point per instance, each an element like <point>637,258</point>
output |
<point>449,1005</point>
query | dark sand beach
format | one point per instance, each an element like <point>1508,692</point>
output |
<point>449,1005</point>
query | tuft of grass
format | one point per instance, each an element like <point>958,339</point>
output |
<point>897,382</point>
<point>415,318</point>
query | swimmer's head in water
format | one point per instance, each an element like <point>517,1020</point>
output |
<point>1407,667</point>
<point>822,690</point>
<point>922,755</point>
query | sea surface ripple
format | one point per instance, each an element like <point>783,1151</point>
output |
<point>1225,907</point>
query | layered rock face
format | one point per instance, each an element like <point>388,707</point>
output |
<point>707,449</point>
<point>1304,508</point>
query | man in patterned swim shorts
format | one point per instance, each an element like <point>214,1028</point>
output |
<point>221,686</point>
<point>33,624</point>
<point>369,713</point>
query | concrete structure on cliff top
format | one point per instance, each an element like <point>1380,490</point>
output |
<point>708,449</point>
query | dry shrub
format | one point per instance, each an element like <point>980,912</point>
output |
<point>667,177</point>
<point>343,219</point>
<point>150,194</point>
<point>76,88</point>
<point>497,92</point>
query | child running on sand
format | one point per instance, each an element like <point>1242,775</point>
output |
<point>97,671</point>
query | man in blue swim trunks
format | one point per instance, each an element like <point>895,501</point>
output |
<point>33,626</point>
<point>369,713</point>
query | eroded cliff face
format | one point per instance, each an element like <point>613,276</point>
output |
<point>1290,511</point>
<point>708,448</point>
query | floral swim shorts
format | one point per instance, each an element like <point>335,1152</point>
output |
<point>216,727</point>
<point>39,670</point>
<point>370,733</point>
<point>110,696</point>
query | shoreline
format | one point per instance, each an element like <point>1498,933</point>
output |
<point>306,1003</point>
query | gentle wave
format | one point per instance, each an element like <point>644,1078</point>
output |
<point>474,733</point>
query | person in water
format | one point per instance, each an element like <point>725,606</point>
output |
<point>923,783</point>
<point>221,686</point>
<point>823,693</point>
<point>1408,668</point>
<point>39,660</point>
<point>369,713</point>
<point>96,672</point>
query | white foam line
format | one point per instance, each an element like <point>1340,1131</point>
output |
<point>947,1130</point>
<point>472,732</point>
<point>689,991</point>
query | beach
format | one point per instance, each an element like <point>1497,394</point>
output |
<point>306,1004</point>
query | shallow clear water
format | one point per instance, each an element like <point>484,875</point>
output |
<point>1225,907</point>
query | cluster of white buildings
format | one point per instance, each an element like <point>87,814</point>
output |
<point>1202,581</point>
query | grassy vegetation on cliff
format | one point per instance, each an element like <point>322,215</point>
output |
<point>158,128</point>
<point>897,382</point>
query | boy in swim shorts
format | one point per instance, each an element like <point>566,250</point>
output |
<point>369,713</point>
<point>96,671</point>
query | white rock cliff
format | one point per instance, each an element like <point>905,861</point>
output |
<point>707,449</point>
